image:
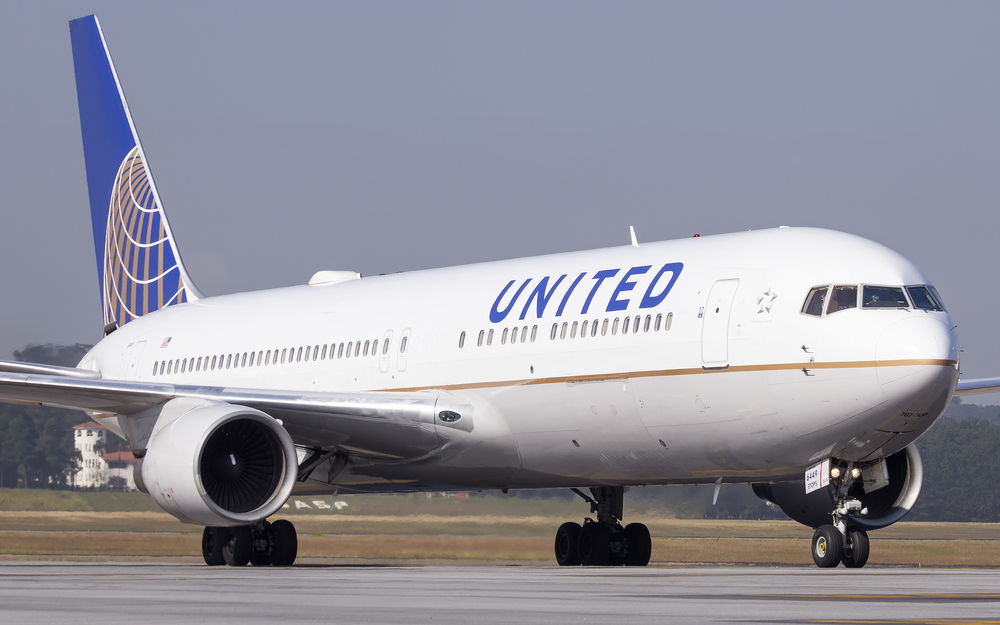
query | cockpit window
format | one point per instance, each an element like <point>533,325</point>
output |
<point>924,298</point>
<point>842,298</point>
<point>884,297</point>
<point>815,300</point>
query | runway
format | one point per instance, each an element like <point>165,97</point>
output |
<point>50,592</point>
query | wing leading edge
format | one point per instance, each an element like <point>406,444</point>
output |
<point>398,425</point>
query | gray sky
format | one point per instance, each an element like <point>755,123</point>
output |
<point>382,137</point>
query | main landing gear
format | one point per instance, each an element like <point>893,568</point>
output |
<point>261,544</point>
<point>838,543</point>
<point>603,542</point>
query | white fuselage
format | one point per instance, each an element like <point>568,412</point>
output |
<point>756,391</point>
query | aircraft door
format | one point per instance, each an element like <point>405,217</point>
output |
<point>132,367</point>
<point>715,323</point>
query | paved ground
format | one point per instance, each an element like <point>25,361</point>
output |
<point>75,593</point>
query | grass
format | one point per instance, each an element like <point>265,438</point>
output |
<point>412,528</point>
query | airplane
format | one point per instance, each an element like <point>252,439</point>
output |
<point>805,362</point>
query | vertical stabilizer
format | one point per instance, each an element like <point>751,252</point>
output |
<point>138,264</point>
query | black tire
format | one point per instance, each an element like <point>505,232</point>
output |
<point>237,546</point>
<point>638,545</point>
<point>857,556</point>
<point>567,544</point>
<point>260,558</point>
<point>827,546</point>
<point>594,545</point>
<point>211,546</point>
<point>285,543</point>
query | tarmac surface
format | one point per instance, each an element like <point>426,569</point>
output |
<point>61,592</point>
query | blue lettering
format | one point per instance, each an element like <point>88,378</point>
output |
<point>649,300</point>
<point>617,304</point>
<point>565,298</point>
<point>600,276</point>
<point>543,297</point>
<point>496,316</point>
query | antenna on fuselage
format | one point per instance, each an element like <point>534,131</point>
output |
<point>635,242</point>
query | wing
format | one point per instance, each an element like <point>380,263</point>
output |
<point>393,425</point>
<point>977,386</point>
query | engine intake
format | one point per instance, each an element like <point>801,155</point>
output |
<point>218,464</point>
<point>886,505</point>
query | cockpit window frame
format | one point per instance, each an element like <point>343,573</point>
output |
<point>934,297</point>
<point>906,296</point>
<point>808,300</point>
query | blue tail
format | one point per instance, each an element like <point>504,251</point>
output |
<point>138,264</point>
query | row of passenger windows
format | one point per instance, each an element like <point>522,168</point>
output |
<point>274,357</point>
<point>835,298</point>
<point>572,330</point>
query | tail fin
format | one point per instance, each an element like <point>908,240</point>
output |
<point>138,264</point>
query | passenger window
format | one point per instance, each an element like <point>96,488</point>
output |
<point>340,351</point>
<point>884,297</point>
<point>350,347</point>
<point>197,366</point>
<point>604,328</point>
<point>555,328</point>
<point>243,362</point>
<point>284,353</point>
<point>298,357</point>
<point>562,333</point>
<point>308,349</point>
<point>614,327</point>
<point>626,325</point>
<point>503,337</point>
<point>402,345</point>
<point>482,335</point>
<point>156,366</point>
<point>524,334</point>
<point>534,332</point>
<point>229,361</point>
<point>645,326</point>
<point>924,299</point>
<point>842,298</point>
<point>267,357</point>
<point>635,324</point>
<point>214,358</point>
<point>385,347</point>
<point>368,343</point>
<point>489,338</point>
<point>593,328</point>
<point>583,328</point>
<point>323,355</point>
<point>668,322</point>
<point>814,301</point>
<point>253,355</point>
<point>572,331</point>
<point>357,348</point>
<point>184,365</point>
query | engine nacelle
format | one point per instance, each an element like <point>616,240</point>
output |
<point>886,504</point>
<point>217,464</point>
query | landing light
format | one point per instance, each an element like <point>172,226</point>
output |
<point>835,472</point>
<point>855,472</point>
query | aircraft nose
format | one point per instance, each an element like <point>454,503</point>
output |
<point>916,360</point>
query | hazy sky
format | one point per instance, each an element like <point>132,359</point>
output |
<point>288,138</point>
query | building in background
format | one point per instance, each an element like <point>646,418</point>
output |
<point>100,468</point>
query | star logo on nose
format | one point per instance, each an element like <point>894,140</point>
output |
<point>764,301</point>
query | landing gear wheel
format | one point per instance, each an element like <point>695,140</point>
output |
<point>594,545</point>
<point>638,545</point>
<point>263,543</point>
<point>856,550</point>
<point>285,543</point>
<point>211,546</point>
<point>237,546</point>
<point>827,546</point>
<point>567,544</point>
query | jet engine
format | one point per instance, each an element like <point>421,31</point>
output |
<point>887,488</point>
<point>217,464</point>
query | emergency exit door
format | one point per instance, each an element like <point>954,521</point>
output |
<point>715,323</point>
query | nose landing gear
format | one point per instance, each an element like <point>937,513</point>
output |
<point>837,543</point>
<point>603,542</point>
